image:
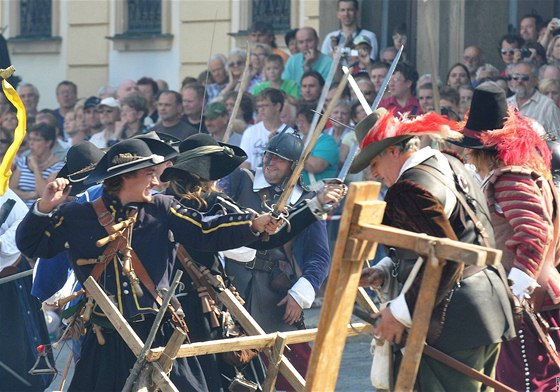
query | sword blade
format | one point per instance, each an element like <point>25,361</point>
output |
<point>333,120</point>
<point>19,275</point>
<point>324,93</point>
<point>13,373</point>
<point>357,91</point>
<point>381,91</point>
<point>355,149</point>
<point>346,167</point>
<point>290,185</point>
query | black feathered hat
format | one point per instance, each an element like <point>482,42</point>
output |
<point>130,155</point>
<point>206,158</point>
<point>488,112</point>
<point>81,159</point>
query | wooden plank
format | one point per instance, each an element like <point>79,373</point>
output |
<point>171,349</point>
<point>115,317</point>
<point>273,365</point>
<point>364,300</point>
<point>342,287</point>
<point>124,329</point>
<point>423,243</point>
<point>420,324</point>
<point>251,327</point>
<point>258,342</point>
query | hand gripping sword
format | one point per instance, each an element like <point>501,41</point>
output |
<point>279,209</point>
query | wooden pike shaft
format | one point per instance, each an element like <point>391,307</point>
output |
<point>242,88</point>
<point>252,341</point>
<point>285,196</point>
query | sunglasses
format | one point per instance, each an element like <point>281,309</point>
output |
<point>517,78</point>
<point>507,51</point>
<point>236,64</point>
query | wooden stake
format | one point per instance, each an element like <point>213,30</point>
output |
<point>170,352</point>
<point>358,233</point>
<point>273,365</point>
<point>342,287</point>
<point>251,327</point>
<point>123,328</point>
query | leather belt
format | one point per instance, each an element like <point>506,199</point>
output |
<point>470,270</point>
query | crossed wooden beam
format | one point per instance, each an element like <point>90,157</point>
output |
<point>360,231</point>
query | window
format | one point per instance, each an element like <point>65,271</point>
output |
<point>276,12</point>
<point>35,18</point>
<point>144,17</point>
<point>35,26</point>
<point>142,25</point>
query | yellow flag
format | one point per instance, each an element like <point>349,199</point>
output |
<point>19,134</point>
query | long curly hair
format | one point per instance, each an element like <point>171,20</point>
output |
<point>192,188</point>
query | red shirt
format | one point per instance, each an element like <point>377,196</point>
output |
<point>412,106</point>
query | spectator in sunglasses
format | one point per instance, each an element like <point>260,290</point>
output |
<point>529,101</point>
<point>510,49</point>
<point>235,66</point>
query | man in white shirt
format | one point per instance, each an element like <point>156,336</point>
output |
<point>348,11</point>
<point>109,110</point>
<point>255,138</point>
<point>530,102</point>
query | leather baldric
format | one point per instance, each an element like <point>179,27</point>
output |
<point>106,220</point>
<point>469,270</point>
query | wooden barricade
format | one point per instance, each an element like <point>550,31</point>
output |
<point>274,342</point>
<point>360,231</point>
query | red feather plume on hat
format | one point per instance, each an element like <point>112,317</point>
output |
<point>518,143</point>
<point>431,124</point>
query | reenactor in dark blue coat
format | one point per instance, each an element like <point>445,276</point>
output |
<point>138,262</point>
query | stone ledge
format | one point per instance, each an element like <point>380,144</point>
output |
<point>141,42</point>
<point>25,45</point>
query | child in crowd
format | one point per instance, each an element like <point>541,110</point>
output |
<point>273,68</point>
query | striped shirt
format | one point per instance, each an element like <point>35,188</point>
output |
<point>27,178</point>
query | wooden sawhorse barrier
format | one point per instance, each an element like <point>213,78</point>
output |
<point>160,358</point>
<point>360,231</point>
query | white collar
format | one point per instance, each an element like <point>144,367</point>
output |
<point>417,158</point>
<point>260,183</point>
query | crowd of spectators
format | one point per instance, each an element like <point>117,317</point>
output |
<point>284,88</point>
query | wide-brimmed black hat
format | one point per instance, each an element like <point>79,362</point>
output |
<point>168,139</point>
<point>81,159</point>
<point>130,155</point>
<point>206,158</point>
<point>366,154</point>
<point>381,130</point>
<point>488,112</point>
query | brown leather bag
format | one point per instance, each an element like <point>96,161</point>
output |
<point>229,328</point>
